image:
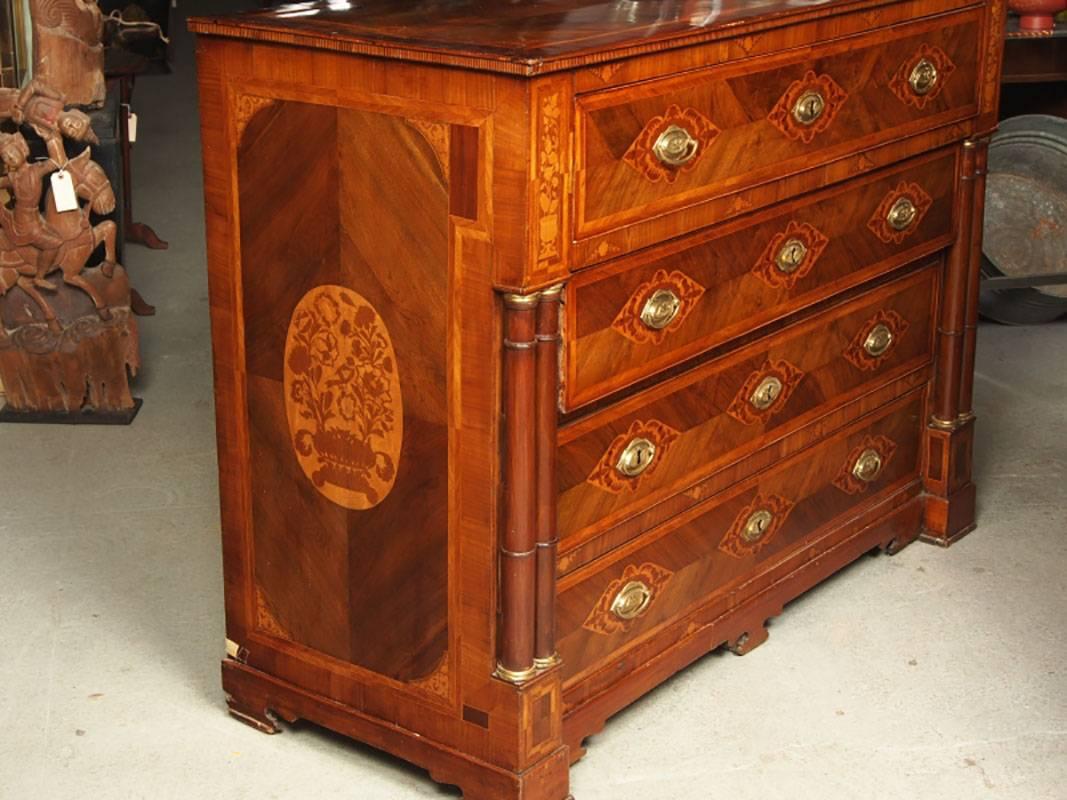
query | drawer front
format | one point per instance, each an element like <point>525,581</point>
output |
<point>648,149</point>
<point>621,461</point>
<point>735,536</point>
<point>725,283</point>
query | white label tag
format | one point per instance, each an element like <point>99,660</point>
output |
<point>131,126</point>
<point>63,191</point>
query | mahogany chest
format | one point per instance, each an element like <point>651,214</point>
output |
<point>560,343</point>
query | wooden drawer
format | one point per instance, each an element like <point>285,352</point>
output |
<point>739,123</point>
<point>735,536</point>
<point>746,274</point>
<point>703,419</point>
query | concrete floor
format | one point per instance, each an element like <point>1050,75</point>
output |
<point>934,674</point>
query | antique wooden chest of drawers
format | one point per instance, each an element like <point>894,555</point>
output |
<point>560,343</point>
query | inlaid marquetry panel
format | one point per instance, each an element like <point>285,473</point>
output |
<point>875,339</point>
<point>705,409</point>
<point>608,476</point>
<point>866,465</point>
<point>922,77</point>
<point>728,538</point>
<point>738,276</point>
<point>772,116</point>
<point>881,221</point>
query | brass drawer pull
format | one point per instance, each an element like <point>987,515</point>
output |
<point>757,525</point>
<point>923,77</point>
<point>868,466</point>
<point>878,341</point>
<point>661,309</point>
<point>675,147</point>
<point>632,600</point>
<point>809,107</point>
<point>765,395</point>
<point>902,214</point>
<point>790,256</point>
<point>636,458</point>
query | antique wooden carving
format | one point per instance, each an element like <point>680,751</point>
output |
<point>808,107</point>
<point>865,464</point>
<point>921,78</point>
<point>68,48</point>
<point>765,392</point>
<point>627,598</point>
<point>873,343</point>
<point>790,255</point>
<point>658,306</point>
<point>54,359</point>
<point>755,525</point>
<point>342,397</point>
<point>899,214</point>
<point>633,456</point>
<point>648,154</point>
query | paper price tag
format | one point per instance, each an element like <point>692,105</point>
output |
<point>131,126</point>
<point>63,191</point>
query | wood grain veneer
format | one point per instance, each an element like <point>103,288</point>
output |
<point>431,247</point>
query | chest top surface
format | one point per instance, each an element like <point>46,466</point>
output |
<point>524,37</point>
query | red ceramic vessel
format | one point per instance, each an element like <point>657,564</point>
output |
<point>1037,15</point>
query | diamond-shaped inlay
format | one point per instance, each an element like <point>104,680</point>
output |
<point>632,595</point>
<point>642,153</point>
<point>865,464</point>
<point>790,255</point>
<point>765,392</point>
<point>755,526</point>
<point>875,340</point>
<point>788,112</point>
<point>606,474</point>
<point>657,307</point>
<point>921,78</point>
<point>893,228</point>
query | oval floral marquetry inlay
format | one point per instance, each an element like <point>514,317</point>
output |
<point>342,397</point>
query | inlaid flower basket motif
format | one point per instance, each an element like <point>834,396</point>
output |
<point>342,397</point>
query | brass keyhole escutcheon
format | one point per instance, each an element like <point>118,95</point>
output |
<point>868,466</point>
<point>878,341</point>
<point>675,147</point>
<point>902,214</point>
<point>660,309</point>
<point>923,77</point>
<point>809,107</point>
<point>636,458</point>
<point>765,395</point>
<point>632,600</point>
<point>791,255</point>
<point>757,525</point>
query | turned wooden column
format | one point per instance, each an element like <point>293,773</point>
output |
<point>974,277</point>
<point>518,540</point>
<point>547,398</point>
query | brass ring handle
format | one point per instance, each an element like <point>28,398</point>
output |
<point>809,107</point>
<point>878,341</point>
<point>765,395</point>
<point>791,255</point>
<point>636,458</point>
<point>660,309</point>
<point>632,600</point>
<point>675,147</point>
<point>868,466</point>
<point>757,525</point>
<point>902,214</point>
<point>923,77</point>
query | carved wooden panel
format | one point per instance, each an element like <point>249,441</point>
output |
<point>879,221</point>
<point>603,620</point>
<point>857,353</point>
<point>342,397</point>
<point>847,480</point>
<point>607,477</point>
<point>641,156</point>
<point>901,87</point>
<point>833,97</point>
<point>769,267</point>
<point>786,377</point>
<point>628,321</point>
<point>747,535</point>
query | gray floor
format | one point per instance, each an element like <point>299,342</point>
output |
<point>934,674</point>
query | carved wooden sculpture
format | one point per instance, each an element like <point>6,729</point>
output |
<point>65,347</point>
<point>68,52</point>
